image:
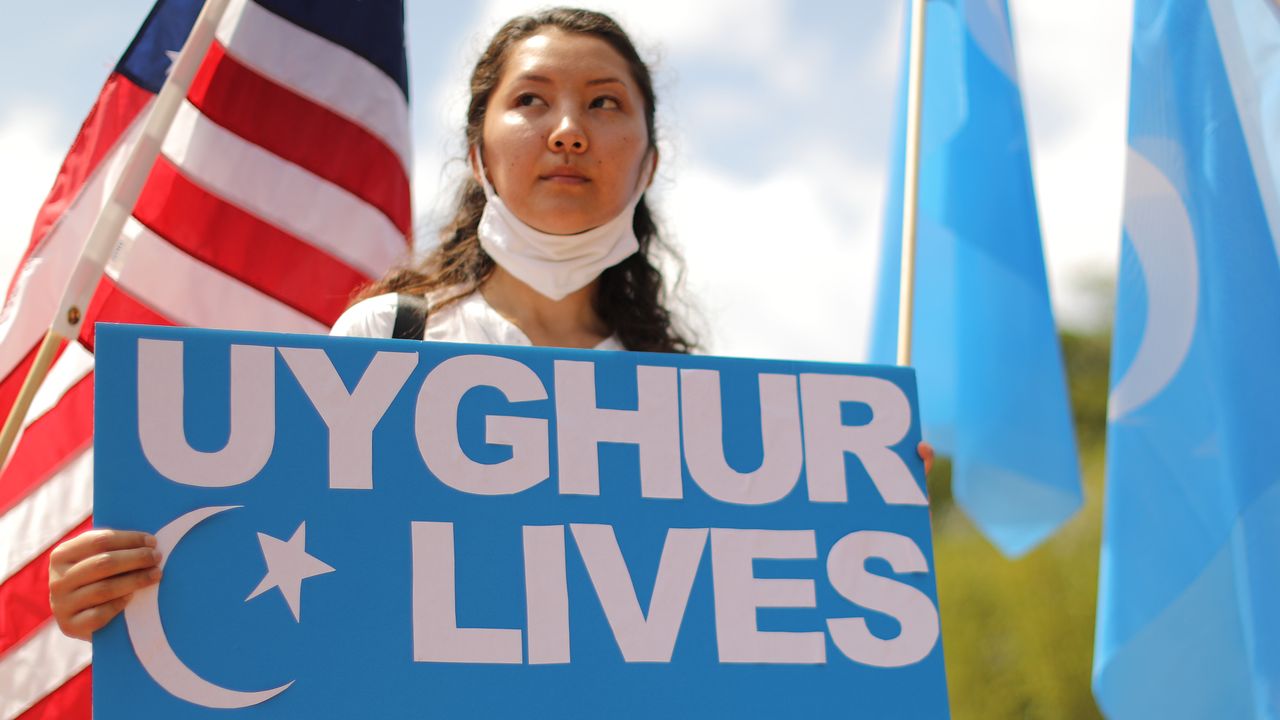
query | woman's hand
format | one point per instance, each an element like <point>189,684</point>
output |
<point>93,575</point>
<point>926,454</point>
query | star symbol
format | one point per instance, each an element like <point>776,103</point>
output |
<point>173,58</point>
<point>288,564</point>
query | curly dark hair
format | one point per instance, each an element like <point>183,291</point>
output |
<point>630,298</point>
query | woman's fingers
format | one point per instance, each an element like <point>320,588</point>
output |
<point>84,623</point>
<point>92,576</point>
<point>81,611</point>
<point>114,588</point>
<point>93,569</point>
<point>97,542</point>
<point>926,454</point>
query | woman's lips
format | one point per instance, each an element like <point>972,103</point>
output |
<point>566,176</point>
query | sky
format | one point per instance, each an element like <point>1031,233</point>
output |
<point>775,125</point>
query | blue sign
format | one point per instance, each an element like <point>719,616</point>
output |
<point>392,529</point>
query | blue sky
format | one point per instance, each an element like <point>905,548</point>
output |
<point>775,121</point>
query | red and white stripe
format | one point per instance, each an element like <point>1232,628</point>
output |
<point>282,184</point>
<point>329,75</point>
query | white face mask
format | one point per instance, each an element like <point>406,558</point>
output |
<point>556,265</point>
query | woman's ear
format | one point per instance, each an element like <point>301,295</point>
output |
<point>473,159</point>
<point>653,168</point>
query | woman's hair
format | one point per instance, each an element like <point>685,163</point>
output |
<point>630,298</point>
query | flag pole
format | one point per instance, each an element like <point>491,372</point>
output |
<point>911,183</point>
<point>110,221</point>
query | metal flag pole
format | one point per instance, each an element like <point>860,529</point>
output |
<point>110,221</point>
<point>910,190</point>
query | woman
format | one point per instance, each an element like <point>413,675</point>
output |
<point>550,244</point>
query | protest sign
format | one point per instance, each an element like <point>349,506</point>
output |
<point>384,528</point>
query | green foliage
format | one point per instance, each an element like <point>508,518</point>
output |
<point>1018,634</point>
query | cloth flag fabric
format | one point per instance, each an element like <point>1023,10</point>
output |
<point>1190,573</point>
<point>282,185</point>
<point>993,394</point>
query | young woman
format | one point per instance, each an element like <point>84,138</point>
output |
<point>551,244</point>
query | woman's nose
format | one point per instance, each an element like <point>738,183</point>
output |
<point>568,137</point>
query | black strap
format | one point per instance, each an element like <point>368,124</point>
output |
<point>411,317</point>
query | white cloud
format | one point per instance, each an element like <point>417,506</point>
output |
<point>31,159</point>
<point>774,270</point>
<point>1074,63</point>
<point>679,25</point>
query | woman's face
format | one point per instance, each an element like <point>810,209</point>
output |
<point>564,133</point>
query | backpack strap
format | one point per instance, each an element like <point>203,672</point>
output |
<point>411,317</point>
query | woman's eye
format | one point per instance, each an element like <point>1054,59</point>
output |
<point>606,102</point>
<point>527,100</point>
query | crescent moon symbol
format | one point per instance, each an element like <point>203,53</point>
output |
<point>1159,229</point>
<point>142,617</point>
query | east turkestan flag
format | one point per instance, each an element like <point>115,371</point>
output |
<point>1189,593</point>
<point>993,394</point>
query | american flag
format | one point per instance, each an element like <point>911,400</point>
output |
<point>282,184</point>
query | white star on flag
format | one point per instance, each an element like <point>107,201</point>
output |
<point>288,564</point>
<point>173,58</point>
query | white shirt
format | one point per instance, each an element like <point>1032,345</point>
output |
<point>469,320</point>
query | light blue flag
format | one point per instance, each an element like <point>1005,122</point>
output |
<point>1189,594</point>
<point>992,390</point>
